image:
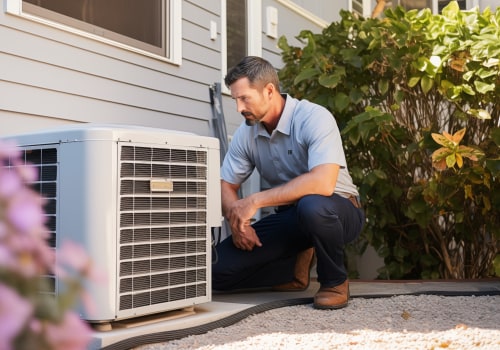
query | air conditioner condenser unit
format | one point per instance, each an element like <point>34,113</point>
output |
<point>141,201</point>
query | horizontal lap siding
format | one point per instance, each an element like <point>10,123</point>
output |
<point>18,123</point>
<point>58,76</point>
<point>44,103</point>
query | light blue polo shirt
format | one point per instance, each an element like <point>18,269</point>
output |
<point>307,135</point>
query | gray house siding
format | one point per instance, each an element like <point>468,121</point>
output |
<point>328,10</point>
<point>57,77</point>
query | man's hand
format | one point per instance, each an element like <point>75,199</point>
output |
<point>240,214</point>
<point>246,240</point>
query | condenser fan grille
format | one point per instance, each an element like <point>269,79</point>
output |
<point>163,230</point>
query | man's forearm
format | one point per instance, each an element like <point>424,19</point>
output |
<point>229,195</point>
<point>321,180</point>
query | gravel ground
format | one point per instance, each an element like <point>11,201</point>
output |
<point>401,322</point>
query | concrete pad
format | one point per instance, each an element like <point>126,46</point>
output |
<point>164,322</point>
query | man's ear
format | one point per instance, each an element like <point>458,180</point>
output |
<point>269,90</point>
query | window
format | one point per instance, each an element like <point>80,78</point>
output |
<point>236,25</point>
<point>146,25</point>
<point>242,32</point>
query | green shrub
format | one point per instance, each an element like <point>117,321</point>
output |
<point>417,98</point>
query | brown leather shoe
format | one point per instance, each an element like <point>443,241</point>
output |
<point>332,297</point>
<point>302,273</point>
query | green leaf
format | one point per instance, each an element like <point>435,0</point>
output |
<point>383,86</point>
<point>354,137</point>
<point>418,207</point>
<point>332,80</point>
<point>365,129</point>
<point>496,265</point>
<point>283,44</point>
<point>400,253</point>
<point>341,101</point>
<point>421,64</point>
<point>491,62</point>
<point>447,88</point>
<point>383,251</point>
<point>307,73</point>
<point>483,87</point>
<point>468,89</point>
<point>380,174</point>
<point>399,96</point>
<point>438,50</point>
<point>468,75</point>
<point>351,56</point>
<point>451,10</point>
<point>413,81</point>
<point>493,165</point>
<point>428,260</point>
<point>495,135</point>
<point>356,95</point>
<point>329,80</point>
<point>479,113</point>
<point>356,61</point>
<point>485,73</point>
<point>426,84</point>
<point>451,160</point>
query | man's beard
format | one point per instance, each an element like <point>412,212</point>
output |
<point>250,122</point>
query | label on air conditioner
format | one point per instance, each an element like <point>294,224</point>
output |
<point>161,185</point>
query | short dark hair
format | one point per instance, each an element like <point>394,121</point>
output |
<point>258,71</point>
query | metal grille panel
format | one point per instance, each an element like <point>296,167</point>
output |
<point>163,236</point>
<point>45,161</point>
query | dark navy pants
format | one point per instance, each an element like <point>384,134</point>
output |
<point>325,223</point>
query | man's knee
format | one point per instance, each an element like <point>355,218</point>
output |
<point>312,208</point>
<point>317,216</point>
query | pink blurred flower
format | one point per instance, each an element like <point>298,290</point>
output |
<point>14,314</point>
<point>74,256</point>
<point>28,172</point>
<point>3,229</point>
<point>10,183</point>
<point>7,259</point>
<point>30,253</point>
<point>25,212</point>
<point>8,149</point>
<point>71,334</point>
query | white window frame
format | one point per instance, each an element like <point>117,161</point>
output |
<point>366,6</point>
<point>254,27</point>
<point>254,34</point>
<point>15,7</point>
